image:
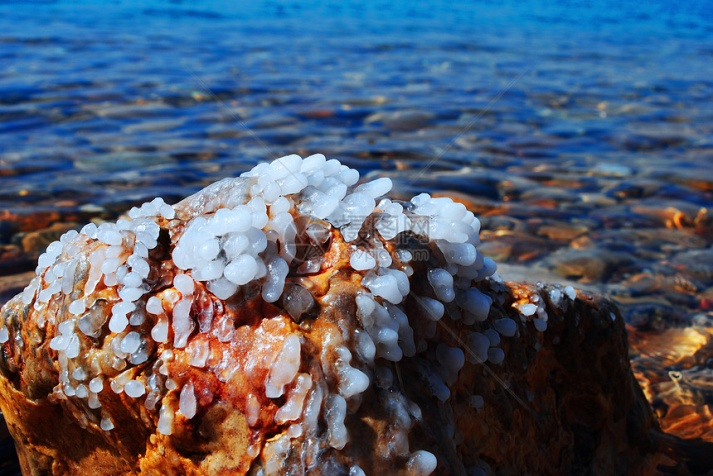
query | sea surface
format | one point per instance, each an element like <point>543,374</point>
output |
<point>580,132</point>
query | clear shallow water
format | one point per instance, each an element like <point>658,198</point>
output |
<point>160,97</point>
<point>581,134</point>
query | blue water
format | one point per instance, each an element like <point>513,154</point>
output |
<point>106,104</point>
<point>156,96</point>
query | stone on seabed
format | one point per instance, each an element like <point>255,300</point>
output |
<point>229,334</point>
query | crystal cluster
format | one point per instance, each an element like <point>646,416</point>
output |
<point>292,286</point>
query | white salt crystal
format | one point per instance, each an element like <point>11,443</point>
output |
<point>258,241</point>
<point>72,350</point>
<point>96,384</point>
<point>66,327</point>
<point>167,212</point>
<point>297,301</point>
<point>131,342</point>
<point>241,270</point>
<point>77,307</point>
<point>474,302</point>
<point>252,410</point>
<point>352,382</point>
<point>199,350</point>
<point>238,219</point>
<point>184,284</point>
<point>452,358</point>
<point>131,294</point>
<point>375,188</point>
<point>28,294</point>
<point>478,345</point>
<point>433,309</point>
<point>348,176</point>
<point>285,367</point>
<point>570,292</point>
<point>292,409</point>
<point>234,244</point>
<point>463,254</point>
<point>321,205</point>
<point>438,387</point>
<point>362,260</point>
<point>335,413</point>
<point>331,167</point>
<point>165,420</point>
<point>555,296</point>
<point>401,280</point>
<point>356,471</point>
<point>293,183</point>
<point>540,324</point>
<point>492,336</point>
<point>365,305</point>
<point>110,280</point>
<point>358,205</point>
<point>134,388</point>
<point>182,323</point>
<point>79,374</point>
<point>505,326</point>
<point>146,239</point>
<point>141,250</point>
<point>442,283</point>
<point>137,317</point>
<point>313,410</point>
<point>222,288</point>
<point>122,308</point>
<point>287,165</point>
<point>93,401</point>
<point>139,265</point>
<point>118,323</point>
<point>81,391</point>
<point>154,305</point>
<point>110,236</point>
<point>528,309</point>
<point>281,205</point>
<point>383,286</point>
<point>45,260</point>
<point>90,230</point>
<point>187,401</point>
<point>272,288</point>
<point>496,355</point>
<point>365,346</point>
<point>69,390</point>
<point>312,163</point>
<point>332,187</point>
<point>421,463</point>
<point>477,402</point>
<point>110,264</point>
<point>57,343</point>
<point>69,236</point>
<point>106,424</point>
<point>209,271</point>
<point>387,335</point>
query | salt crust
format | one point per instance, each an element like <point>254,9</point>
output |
<point>242,231</point>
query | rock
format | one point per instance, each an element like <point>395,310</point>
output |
<point>401,120</point>
<point>288,321</point>
<point>35,242</point>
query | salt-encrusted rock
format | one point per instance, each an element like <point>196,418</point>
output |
<point>290,322</point>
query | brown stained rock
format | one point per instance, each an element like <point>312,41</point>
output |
<point>35,242</point>
<point>128,354</point>
<point>571,407</point>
